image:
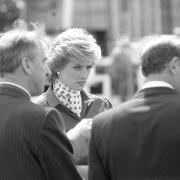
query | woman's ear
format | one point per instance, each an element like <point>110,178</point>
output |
<point>26,65</point>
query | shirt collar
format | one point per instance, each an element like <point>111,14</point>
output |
<point>152,84</point>
<point>13,84</point>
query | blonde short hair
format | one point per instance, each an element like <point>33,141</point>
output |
<point>74,43</point>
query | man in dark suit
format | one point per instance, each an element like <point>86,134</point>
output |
<point>140,139</point>
<point>33,144</point>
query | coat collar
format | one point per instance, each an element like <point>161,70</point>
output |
<point>12,90</point>
<point>49,99</point>
<point>53,101</point>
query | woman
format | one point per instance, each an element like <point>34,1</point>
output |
<point>71,56</point>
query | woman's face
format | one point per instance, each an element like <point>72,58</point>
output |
<point>75,74</point>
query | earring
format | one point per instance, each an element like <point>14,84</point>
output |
<point>58,74</point>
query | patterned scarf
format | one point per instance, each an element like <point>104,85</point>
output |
<point>68,97</point>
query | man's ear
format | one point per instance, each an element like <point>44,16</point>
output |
<point>26,65</point>
<point>174,65</point>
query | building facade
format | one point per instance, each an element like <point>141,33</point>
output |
<point>106,19</point>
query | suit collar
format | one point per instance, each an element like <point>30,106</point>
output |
<point>153,91</point>
<point>151,84</point>
<point>12,90</point>
<point>13,84</point>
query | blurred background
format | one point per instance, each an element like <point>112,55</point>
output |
<point>121,28</point>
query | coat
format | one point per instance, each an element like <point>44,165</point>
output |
<point>139,139</point>
<point>91,106</point>
<point>33,144</point>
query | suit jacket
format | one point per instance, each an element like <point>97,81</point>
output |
<point>33,145</point>
<point>139,139</point>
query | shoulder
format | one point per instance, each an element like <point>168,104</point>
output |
<point>46,115</point>
<point>32,116</point>
<point>48,98</point>
<point>52,118</point>
<point>125,112</point>
<point>38,108</point>
<point>108,119</point>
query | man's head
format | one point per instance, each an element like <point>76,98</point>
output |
<point>22,58</point>
<point>161,61</point>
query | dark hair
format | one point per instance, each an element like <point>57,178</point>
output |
<point>158,55</point>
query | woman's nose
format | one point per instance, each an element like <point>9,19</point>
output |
<point>85,72</point>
